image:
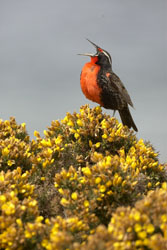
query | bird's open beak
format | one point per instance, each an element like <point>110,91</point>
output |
<point>96,46</point>
<point>86,54</point>
<point>92,55</point>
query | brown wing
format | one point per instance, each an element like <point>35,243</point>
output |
<point>119,87</point>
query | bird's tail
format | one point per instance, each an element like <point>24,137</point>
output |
<point>127,118</point>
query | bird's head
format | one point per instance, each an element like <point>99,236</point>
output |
<point>101,57</point>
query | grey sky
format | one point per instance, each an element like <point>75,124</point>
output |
<point>40,71</point>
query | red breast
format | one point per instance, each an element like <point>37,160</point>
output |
<point>88,81</point>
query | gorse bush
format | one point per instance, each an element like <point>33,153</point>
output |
<point>88,183</point>
<point>142,227</point>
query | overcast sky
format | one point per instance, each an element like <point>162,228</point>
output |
<point>40,69</point>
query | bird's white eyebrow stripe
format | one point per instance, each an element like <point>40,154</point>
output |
<point>105,53</point>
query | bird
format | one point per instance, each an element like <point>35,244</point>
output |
<point>101,85</point>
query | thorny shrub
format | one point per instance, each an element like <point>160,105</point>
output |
<point>88,183</point>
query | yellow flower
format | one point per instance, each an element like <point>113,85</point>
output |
<point>50,151</point>
<point>76,135</point>
<point>32,203</point>
<point>124,183</point>
<point>120,236</point>
<point>155,164</point>
<point>45,133</point>
<point>137,215</point>
<point>111,228</point>
<point>138,243</point>
<point>27,234</point>
<point>104,136</point>
<point>137,228</point>
<point>8,208</point>
<point>104,124</point>
<point>23,125</point>
<point>39,219</point>
<point>36,134</point>
<point>45,163</point>
<point>19,222</point>
<point>157,184</point>
<point>74,196</point>
<point>47,221</point>
<point>128,159</point>
<point>64,174</point>
<point>97,144</point>
<point>2,177</point>
<point>10,162</point>
<point>90,143</point>
<point>7,123</point>
<point>108,160</point>
<point>109,183</point>
<point>61,191</point>
<point>70,123</point>
<point>82,111</point>
<point>102,188</point>
<point>5,151</point>
<point>44,142</point>
<point>110,192</point>
<point>23,208</point>
<point>86,203</point>
<point>65,120</point>
<point>82,180</point>
<point>80,123</point>
<point>56,185</point>
<point>117,245</point>
<point>87,171</point>
<point>142,235</point>
<point>150,228</point>
<point>149,184</point>
<point>164,218</point>
<point>45,243</point>
<point>64,202</point>
<point>98,109</point>
<point>12,194</point>
<point>58,140</point>
<point>133,165</point>
<point>2,198</point>
<point>164,185</point>
<point>97,180</point>
<point>117,181</point>
<point>97,156</point>
<point>43,178</point>
<point>129,229</point>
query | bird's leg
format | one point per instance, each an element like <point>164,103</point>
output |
<point>114,112</point>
